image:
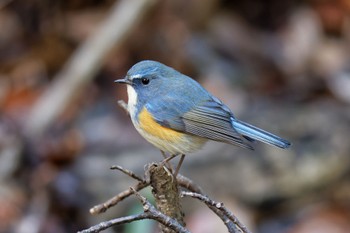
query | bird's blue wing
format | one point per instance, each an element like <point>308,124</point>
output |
<point>208,118</point>
<point>167,111</point>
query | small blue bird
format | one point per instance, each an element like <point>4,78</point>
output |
<point>177,115</point>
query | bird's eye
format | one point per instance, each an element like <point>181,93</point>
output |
<point>145,81</point>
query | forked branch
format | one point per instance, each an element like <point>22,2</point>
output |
<point>168,211</point>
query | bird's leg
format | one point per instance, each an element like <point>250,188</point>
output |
<point>179,165</point>
<point>167,165</point>
<point>164,155</point>
<point>170,173</point>
<point>166,160</point>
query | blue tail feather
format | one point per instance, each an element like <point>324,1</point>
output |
<point>255,133</point>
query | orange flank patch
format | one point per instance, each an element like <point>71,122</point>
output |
<point>150,126</point>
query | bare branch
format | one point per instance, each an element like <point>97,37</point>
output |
<point>150,212</point>
<point>127,172</point>
<point>231,227</point>
<point>118,221</point>
<point>234,219</point>
<point>159,216</point>
<point>165,191</point>
<point>188,184</point>
<point>213,205</point>
<point>101,208</point>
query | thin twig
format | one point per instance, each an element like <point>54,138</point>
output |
<point>218,206</point>
<point>182,181</point>
<point>234,219</point>
<point>127,172</point>
<point>150,212</point>
<point>231,227</point>
<point>101,208</point>
<point>118,221</point>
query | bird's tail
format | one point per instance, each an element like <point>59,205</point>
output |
<point>255,133</point>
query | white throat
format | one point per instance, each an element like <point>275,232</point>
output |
<point>132,100</point>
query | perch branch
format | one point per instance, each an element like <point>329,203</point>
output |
<point>188,184</point>
<point>150,212</point>
<point>166,194</point>
<point>101,208</point>
<point>159,216</point>
<point>217,206</point>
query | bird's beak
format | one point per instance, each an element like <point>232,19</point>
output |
<point>124,81</point>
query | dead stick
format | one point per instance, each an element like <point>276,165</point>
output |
<point>218,206</point>
<point>101,208</point>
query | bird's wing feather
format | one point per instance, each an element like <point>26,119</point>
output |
<point>208,119</point>
<point>211,121</point>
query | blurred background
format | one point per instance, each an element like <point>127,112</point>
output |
<point>281,65</point>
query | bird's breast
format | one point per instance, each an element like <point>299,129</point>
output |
<point>164,138</point>
<point>152,127</point>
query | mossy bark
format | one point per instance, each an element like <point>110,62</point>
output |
<point>166,193</point>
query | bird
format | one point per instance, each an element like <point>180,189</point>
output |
<point>178,116</point>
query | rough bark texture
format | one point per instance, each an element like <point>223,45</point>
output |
<point>166,194</point>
